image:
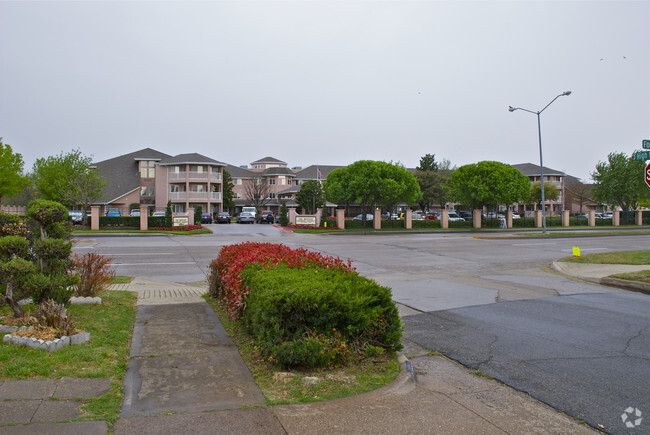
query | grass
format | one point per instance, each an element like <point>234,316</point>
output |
<point>121,279</point>
<point>366,375</point>
<point>184,233</point>
<point>640,276</point>
<point>622,257</point>
<point>104,356</point>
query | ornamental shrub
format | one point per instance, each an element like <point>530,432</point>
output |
<point>225,280</point>
<point>296,314</point>
<point>94,271</point>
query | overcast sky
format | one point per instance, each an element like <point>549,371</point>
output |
<point>313,82</point>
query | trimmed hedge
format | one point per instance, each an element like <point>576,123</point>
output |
<point>305,309</point>
<point>314,318</point>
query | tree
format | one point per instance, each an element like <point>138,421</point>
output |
<point>489,184</point>
<point>228,195</point>
<point>310,196</point>
<point>12,180</point>
<point>370,183</point>
<point>551,192</point>
<point>257,192</point>
<point>284,214</point>
<point>432,178</point>
<point>68,179</point>
<point>619,182</point>
<point>575,191</point>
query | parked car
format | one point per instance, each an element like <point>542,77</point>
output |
<point>223,217</point>
<point>77,217</point>
<point>515,215</point>
<point>581,216</point>
<point>466,215</point>
<point>206,218</point>
<point>113,212</point>
<point>266,217</point>
<point>135,212</point>
<point>431,216</point>
<point>359,217</point>
<point>246,217</point>
<point>417,216</point>
<point>453,217</point>
<point>158,213</point>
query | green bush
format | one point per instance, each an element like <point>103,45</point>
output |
<point>119,221</point>
<point>420,223</point>
<point>290,311</point>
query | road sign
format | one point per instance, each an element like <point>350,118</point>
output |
<point>642,155</point>
<point>646,144</point>
<point>647,174</point>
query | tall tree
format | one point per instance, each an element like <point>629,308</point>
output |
<point>69,179</point>
<point>620,182</point>
<point>228,195</point>
<point>551,192</point>
<point>12,180</point>
<point>310,196</point>
<point>576,191</point>
<point>489,184</point>
<point>370,184</point>
<point>432,178</point>
<point>257,192</point>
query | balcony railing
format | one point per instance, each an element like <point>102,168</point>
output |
<point>195,196</point>
<point>212,176</point>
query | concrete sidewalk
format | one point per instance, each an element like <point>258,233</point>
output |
<point>600,274</point>
<point>185,375</point>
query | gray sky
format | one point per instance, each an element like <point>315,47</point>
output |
<point>314,82</point>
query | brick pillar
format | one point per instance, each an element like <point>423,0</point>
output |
<point>476,217</point>
<point>376,219</point>
<point>144,218</point>
<point>94,217</point>
<point>340,218</point>
<point>509,218</point>
<point>292,216</point>
<point>538,219</point>
<point>616,218</point>
<point>565,218</point>
<point>408,219</point>
<point>190,216</point>
<point>319,215</point>
<point>444,218</point>
<point>638,217</point>
<point>591,218</point>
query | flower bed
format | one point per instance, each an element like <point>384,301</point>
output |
<point>311,227</point>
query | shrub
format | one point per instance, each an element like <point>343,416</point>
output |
<point>94,272</point>
<point>311,317</point>
<point>198,211</point>
<point>225,279</point>
<point>284,214</point>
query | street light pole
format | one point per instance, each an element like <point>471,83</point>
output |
<point>541,163</point>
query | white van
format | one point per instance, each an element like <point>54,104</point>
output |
<point>250,210</point>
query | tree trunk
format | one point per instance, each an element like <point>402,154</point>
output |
<point>9,298</point>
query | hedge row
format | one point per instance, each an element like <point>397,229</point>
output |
<point>303,308</point>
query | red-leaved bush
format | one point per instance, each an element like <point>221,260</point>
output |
<point>225,276</point>
<point>94,271</point>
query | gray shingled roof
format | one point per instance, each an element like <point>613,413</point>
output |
<point>278,170</point>
<point>237,172</point>
<point>311,172</point>
<point>269,160</point>
<point>528,169</point>
<point>191,159</point>
<point>121,173</point>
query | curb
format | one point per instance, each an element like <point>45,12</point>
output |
<point>626,284</point>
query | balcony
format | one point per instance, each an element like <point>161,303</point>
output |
<point>207,176</point>
<point>195,196</point>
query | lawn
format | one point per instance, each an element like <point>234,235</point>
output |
<point>620,257</point>
<point>104,356</point>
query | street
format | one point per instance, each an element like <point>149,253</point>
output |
<point>490,304</point>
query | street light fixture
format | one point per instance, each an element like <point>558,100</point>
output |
<point>541,164</point>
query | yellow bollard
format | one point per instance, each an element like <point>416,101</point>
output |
<point>576,251</point>
<point>325,224</point>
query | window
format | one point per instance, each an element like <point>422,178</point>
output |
<point>147,169</point>
<point>236,195</point>
<point>152,191</point>
<point>143,191</point>
<point>271,195</point>
<point>177,188</point>
<point>237,181</point>
<point>178,208</point>
<point>271,180</point>
<point>197,188</point>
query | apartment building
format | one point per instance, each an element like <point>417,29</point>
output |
<point>151,178</point>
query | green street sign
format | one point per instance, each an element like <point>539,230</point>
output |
<point>642,155</point>
<point>646,144</point>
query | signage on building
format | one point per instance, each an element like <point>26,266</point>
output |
<point>306,220</point>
